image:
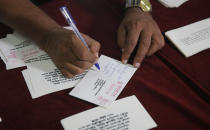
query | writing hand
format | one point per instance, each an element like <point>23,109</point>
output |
<point>68,52</point>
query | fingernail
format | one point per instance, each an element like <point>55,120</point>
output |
<point>96,54</point>
<point>124,61</point>
<point>137,65</point>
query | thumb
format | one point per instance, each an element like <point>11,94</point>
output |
<point>93,45</point>
<point>81,52</point>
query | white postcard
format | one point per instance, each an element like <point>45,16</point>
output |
<point>192,38</point>
<point>103,87</point>
<point>123,114</point>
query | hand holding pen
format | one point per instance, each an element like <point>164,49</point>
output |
<point>71,23</point>
<point>68,52</point>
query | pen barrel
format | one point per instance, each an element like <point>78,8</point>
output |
<point>78,34</point>
<point>71,23</point>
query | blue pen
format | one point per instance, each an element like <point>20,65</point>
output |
<point>71,23</point>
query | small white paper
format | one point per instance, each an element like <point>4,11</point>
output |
<point>192,38</point>
<point>123,114</point>
<point>10,53</point>
<point>29,84</point>
<point>103,87</point>
<point>3,57</point>
<point>172,3</point>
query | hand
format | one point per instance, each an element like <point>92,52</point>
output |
<point>68,52</point>
<point>138,27</point>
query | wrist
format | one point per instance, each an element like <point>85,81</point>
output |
<point>54,37</point>
<point>133,9</point>
<point>144,5</point>
<point>47,36</point>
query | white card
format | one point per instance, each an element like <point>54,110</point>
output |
<point>43,77</point>
<point>29,84</point>
<point>10,53</point>
<point>123,114</point>
<point>192,38</point>
<point>103,87</point>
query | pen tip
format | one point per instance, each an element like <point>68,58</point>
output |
<point>97,66</point>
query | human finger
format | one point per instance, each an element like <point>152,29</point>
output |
<point>83,64</point>
<point>131,41</point>
<point>156,44</point>
<point>145,41</point>
<point>66,73</point>
<point>93,45</point>
<point>81,51</point>
<point>73,69</point>
<point>121,34</point>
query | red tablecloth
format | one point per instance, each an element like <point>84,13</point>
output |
<point>174,90</point>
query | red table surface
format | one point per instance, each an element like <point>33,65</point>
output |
<point>173,89</point>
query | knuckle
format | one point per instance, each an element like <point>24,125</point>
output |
<point>130,25</point>
<point>73,38</point>
<point>134,25</point>
<point>138,24</point>
<point>98,44</point>
<point>161,43</point>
